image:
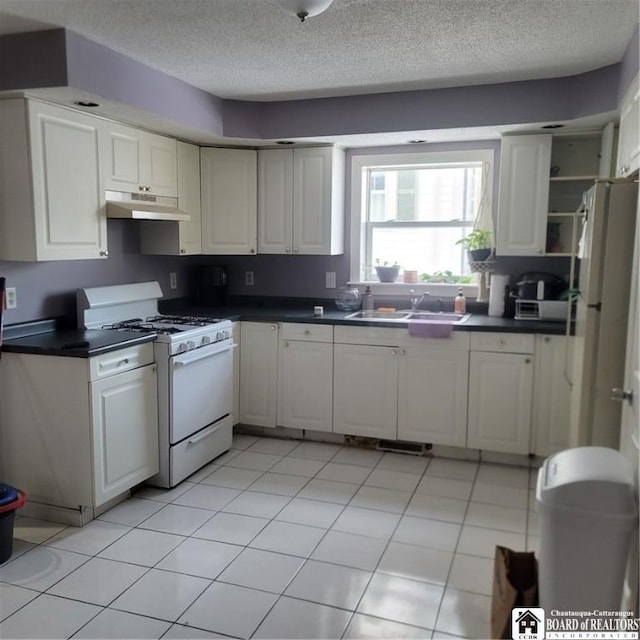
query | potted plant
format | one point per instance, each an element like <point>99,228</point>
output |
<point>477,244</point>
<point>387,271</point>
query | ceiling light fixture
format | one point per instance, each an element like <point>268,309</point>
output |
<point>303,9</point>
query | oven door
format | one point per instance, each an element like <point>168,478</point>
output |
<point>200,388</point>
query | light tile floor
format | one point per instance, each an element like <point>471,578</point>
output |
<point>278,539</point>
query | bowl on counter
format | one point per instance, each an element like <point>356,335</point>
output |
<point>348,299</point>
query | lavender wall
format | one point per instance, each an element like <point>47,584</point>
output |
<point>483,105</point>
<point>35,59</point>
<point>48,289</point>
<point>630,64</point>
<point>94,68</point>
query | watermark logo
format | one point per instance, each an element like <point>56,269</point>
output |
<point>527,623</point>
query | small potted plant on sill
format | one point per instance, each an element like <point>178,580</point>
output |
<point>477,244</point>
<point>387,271</point>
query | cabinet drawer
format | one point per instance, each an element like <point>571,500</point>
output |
<point>306,332</point>
<point>121,360</point>
<point>369,335</point>
<point>503,342</point>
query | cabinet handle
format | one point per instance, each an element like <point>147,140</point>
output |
<point>527,360</point>
<point>501,343</point>
<point>104,253</point>
<point>402,352</point>
<point>393,352</point>
<point>273,327</point>
<point>307,332</point>
<point>123,361</point>
<point>285,344</point>
<point>288,250</point>
<point>547,339</point>
<point>183,251</point>
<point>252,251</point>
<point>295,250</point>
<point>141,188</point>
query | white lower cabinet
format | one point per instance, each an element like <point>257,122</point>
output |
<point>414,390</point>
<point>500,392</point>
<point>124,421</point>
<point>77,432</point>
<point>258,373</point>
<point>432,396</point>
<point>365,390</point>
<point>305,383</point>
<point>552,395</point>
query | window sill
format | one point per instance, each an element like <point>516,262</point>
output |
<point>404,289</point>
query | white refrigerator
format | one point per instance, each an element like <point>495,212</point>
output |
<point>605,255</point>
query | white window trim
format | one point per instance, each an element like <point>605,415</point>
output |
<point>358,196</point>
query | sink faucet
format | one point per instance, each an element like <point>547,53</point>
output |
<point>416,300</point>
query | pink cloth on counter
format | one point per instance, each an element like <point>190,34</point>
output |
<point>430,329</point>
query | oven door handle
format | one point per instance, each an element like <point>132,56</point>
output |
<point>200,354</point>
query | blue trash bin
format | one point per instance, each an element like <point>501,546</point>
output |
<point>10,500</point>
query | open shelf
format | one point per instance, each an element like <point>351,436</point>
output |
<point>588,178</point>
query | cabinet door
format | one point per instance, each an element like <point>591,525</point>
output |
<point>124,412</point>
<point>235,411</point>
<point>70,221</point>
<point>258,373</point>
<point>552,396</point>
<point>121,157</point>
<point>500,393</point>
<point>158,170</point>
<point>365,390</point>
<point>275,201</point>
<point>229,201</point>
<point>317,201</point>
<point>432,396</point>
<point>523,199</point>
<point>628,159</point>
<point>181,238</point>
<point>305,385</point>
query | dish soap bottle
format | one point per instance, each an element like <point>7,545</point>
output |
<point>367,299</point>
<point>460,303</point>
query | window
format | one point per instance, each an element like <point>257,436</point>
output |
<point>412,209</point>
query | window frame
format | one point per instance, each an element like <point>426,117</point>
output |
<point>360,226</point>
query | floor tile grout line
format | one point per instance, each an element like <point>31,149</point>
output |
<point>455,550</point>
<point>386,546</point>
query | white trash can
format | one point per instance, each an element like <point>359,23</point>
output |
<point>587,512</point>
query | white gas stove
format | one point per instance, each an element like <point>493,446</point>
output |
<point>195,371</point>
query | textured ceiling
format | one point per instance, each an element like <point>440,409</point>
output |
<point>252,50</point>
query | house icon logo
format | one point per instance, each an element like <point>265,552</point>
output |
<point>527,623</point>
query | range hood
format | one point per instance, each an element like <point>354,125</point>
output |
<point>133,206</point>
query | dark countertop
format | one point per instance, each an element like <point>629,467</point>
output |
<point>285,313</point>
<point>73,343</point>
<point>44,338</point>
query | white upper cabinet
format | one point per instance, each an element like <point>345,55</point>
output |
<point>301,201</point>
<point>137,161</point>
<point>229,201</point>
<point>524,195</point>
<point>51,203</point>
<point>628,160</point>
<point>179,238</point>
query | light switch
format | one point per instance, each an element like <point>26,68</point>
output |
<point>330,279</point>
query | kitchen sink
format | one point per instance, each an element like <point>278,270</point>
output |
<point>405,316</point>
<point>379,315</point>
<point>454,318</point>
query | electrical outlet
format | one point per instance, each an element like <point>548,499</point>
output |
<point>173,280</point>
<point>11,298</point>
<point>330,279</point>
<point>248,278</point>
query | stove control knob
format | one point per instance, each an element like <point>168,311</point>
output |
<point>190,345</point>
<point>205,340</point>
<point>182,347</point>
<point>221,335</point>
